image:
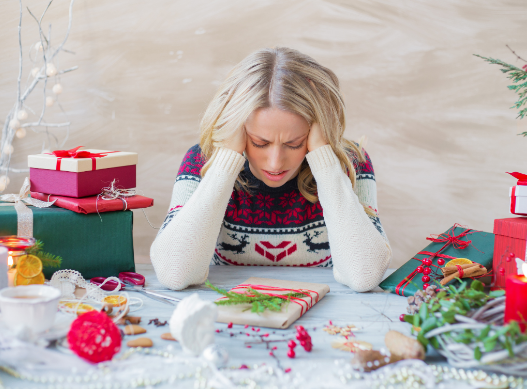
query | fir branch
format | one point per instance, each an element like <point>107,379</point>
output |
<point>259,301</point>
<point>517,75</point>
<point>47,259</point>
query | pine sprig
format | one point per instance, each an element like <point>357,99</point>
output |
<point>47,259</point>
<point>259,301</point>
<point>518,76</point>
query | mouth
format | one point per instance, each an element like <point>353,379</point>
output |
<point>275,176</point>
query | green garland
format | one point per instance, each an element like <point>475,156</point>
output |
<point>259,301</point>
<point>453,301</point>
<point>518,76</point>
<point>47,259</point>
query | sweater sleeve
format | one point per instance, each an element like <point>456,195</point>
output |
<point>185,244</point>
<point>360,249</point>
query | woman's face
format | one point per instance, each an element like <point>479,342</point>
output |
<point>276,144</point>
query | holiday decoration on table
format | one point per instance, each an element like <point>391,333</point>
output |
<point>468,270</point>
<point>81,173</point>
<point>467,327</point>
<point>22,117</point>
<point>510,243</point>
<point>425,266</point>
<point>267,302</point>
<point>192,323</point>
<point>516,298</point>
<point>94,336</point>
<point>518,195</point>
<point>84,242</point>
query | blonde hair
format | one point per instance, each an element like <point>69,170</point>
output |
<point>289,80</point>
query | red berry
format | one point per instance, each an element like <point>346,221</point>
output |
<point>274,348</point>
<point>440,261</point>
<point>292,344</point>
<point>303,333</point>
<point>299,328</point>
<point>419,269</point>
<point>258,329</point>
<point>502,270</point>
<point>230,325</point>
<point>402,317</point>
<point>330,322</point>
<point>287,370</point>
<point>508,259</point>
<point>511,255</point>
<point>302,343</point>
<point>271,353</point>
<point>244,367</point>
<point>217,330</point>
<point>427,271</point>
<point>424,261</point>
<point>429,262</point>
<point>308,347</point>
<point>425,286</point>
<point>246,326</point>
<point>291,353</point>
<point>426,279</point>
<point>298,336</point>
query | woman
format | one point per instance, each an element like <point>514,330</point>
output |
<point>271,162</point>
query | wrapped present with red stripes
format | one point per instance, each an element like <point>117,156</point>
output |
<point>425,268</point>
<point>518,204</point>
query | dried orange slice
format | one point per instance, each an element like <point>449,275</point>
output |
<point>458,261</point>
<point>115,300</point>
<point>29,266</point>
<point>20,280</point>
<point>81,308</point>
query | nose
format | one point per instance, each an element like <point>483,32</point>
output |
<point>276,158</point>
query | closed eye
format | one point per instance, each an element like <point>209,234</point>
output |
<point>290,147</point>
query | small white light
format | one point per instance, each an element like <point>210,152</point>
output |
<point>57,89</point>
<point>51,70</point>
<point>8,149</point>
<point>20,133</point>
<point>14,123</point>
<point>22,115</point>
<point>35,72</point>
<point>49,101</point>
<point>38,46</point>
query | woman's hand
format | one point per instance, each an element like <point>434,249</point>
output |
<point>316,138</point>
<point>237,142</point>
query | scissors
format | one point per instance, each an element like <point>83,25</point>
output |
<point>131,277</point>
<point>136,282</point>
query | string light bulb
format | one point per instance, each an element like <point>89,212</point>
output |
<point>8,149</point>
<point>57,89</point>
<point>38,46</point>
<point>35,72</point>
<point>51,70</point>
<point>14,123</point>
<point>4,182</point>
<point>20,133</point>
<point>49,101</point>
<point>22,114</point>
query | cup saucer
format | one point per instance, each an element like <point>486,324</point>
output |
<point>59,329</point>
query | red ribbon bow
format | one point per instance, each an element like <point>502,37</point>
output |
<point>73,153</point>
<point>521,178</point>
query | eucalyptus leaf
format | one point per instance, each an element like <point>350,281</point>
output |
<point>477,353</point>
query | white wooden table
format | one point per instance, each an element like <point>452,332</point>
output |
<point>374,313</point>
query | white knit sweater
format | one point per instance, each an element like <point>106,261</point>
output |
<point>209,221</point>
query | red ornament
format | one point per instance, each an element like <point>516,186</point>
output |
<point>94,337</point>
<point>291,353</point>
<point>427,271</point>
<point>292,344</point>
<point>425,286</point>
<point>426,279</point>
<point>440,261</point>
<point>502,271</point>
<point>402,317</point>
<point>419,269</point>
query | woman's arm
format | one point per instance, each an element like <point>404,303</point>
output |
<point>185,244</point>
<point>360,252</point>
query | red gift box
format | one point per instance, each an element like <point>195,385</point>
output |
<point>81,173</point>
<point>510,237</point>
<point>92,204</point>
<point>518,204</point>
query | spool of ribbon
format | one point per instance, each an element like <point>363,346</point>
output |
<point>74,153</point>
<point>24,214</point>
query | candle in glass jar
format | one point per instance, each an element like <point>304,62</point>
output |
<point>3,267</point>
<point>516,300</point>
<point>11,272</point>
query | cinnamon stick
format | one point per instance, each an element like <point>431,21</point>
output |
<point>473,271</point>
<point>453,269</point>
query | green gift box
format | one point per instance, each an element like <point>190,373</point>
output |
<point>457,242</point>
<point>95,247</point>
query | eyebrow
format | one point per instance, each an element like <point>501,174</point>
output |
<point>267,141</point>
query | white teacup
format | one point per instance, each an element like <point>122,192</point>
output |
<point>30,306</point>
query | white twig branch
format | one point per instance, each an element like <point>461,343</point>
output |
<point>36,124</point>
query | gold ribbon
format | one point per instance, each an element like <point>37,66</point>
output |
<point>24,214</point>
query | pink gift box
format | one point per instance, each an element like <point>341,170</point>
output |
<point>81,173</point>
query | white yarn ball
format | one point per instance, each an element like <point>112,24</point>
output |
<point>35,72</point>
<point>57,89</point>
<point>14,123</point>
<point>22,114</point>
<point>20,133</point>
<point>192,324</point>
<point>51,70</point>
<point>49,101</point>
<point>8,149</point>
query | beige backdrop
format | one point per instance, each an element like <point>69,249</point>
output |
<point>441,134</point>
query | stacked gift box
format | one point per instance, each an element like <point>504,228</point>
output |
<point>90,228</point>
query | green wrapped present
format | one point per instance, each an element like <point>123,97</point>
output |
<point>94,247</point>
<point>424,267</point>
